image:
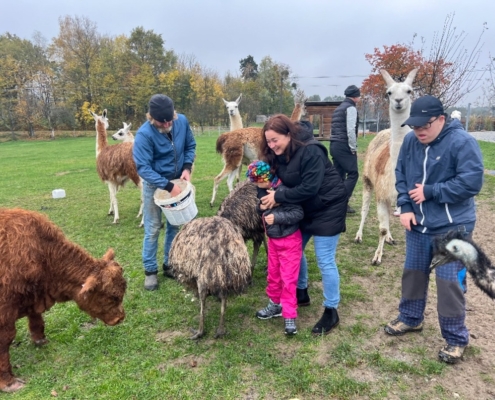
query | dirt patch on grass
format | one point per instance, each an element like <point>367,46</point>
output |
<point>474,377</point>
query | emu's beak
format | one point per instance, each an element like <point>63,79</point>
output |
<point>438,260</point>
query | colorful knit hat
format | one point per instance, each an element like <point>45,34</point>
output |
<point>259,171</point>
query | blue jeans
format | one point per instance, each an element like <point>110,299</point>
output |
<point>325,249</point>
<point>152,222</point>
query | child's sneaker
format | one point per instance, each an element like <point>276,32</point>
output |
<point>272,310</point>
<point>290,326</point>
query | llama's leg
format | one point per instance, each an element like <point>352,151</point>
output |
<point>222,175</point>
<point>140,214</point>
<point>365,208</point>
<point>8,382</point>
<point>112,188</point>
<point>231,177</point>
<point>37,329</point>
<point>383,212</point>
<point>221,326</point>
<point>201,329</point>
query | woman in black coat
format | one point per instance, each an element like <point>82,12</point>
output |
<point>302,164</point>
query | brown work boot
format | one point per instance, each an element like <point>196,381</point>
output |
<point>451,354</point>
<point>397,328</point>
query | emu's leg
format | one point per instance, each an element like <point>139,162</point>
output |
<point>112,188</point>
<point>8,382</point>
<point>221,326</point>
<point>383,217</point>
<point>365,208</point>
<point>201,330</point>
<point>37,329</point>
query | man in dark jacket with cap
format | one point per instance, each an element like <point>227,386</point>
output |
<point>343,140</point>
<point>439,171</point>
<point>164,149</point>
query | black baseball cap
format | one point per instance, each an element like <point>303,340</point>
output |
<point>422,109</point>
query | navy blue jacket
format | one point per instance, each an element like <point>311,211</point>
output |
<point>451,170</point>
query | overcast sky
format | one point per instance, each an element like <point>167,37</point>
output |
<point>323,41</point>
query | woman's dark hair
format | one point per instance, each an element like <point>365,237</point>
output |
<point>283,125</point>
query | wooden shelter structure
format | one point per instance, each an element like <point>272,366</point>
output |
<point>325,110</point>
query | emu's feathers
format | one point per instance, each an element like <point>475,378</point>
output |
<point>455,246</point>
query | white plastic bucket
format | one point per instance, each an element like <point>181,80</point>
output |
<point>179,209</point>
<point>58,193</point>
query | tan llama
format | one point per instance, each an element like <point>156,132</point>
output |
<point>381,158</point>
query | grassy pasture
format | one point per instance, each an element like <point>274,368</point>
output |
<point>149,356</point>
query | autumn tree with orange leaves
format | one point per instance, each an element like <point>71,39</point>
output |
<point>449,71</point>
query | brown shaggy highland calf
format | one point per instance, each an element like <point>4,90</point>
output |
<point>209,256</point>
<point>40,267</point>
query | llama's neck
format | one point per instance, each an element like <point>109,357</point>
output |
<point>297,113</point>
<point>397,133</point>
<point>101,136</point>
<point>235,122</point>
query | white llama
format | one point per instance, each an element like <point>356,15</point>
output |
<point>381,158</point>
<point>456,114</point>
<point>234,114</point>
<point>124,134</point>
<point>241,146</point>
<point>114,164</point>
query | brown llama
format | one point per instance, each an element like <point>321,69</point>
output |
<point>39,267</point>
<point>381,158</point>
<point>241,146</point>
<point>115,165</point>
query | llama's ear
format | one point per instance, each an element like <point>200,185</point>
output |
<point>239,99</point>
<point>410,77</point>
<point>387,78</point>
<point>104,115</point>
<point>225,102</point>
<point>129,126</point>
<point>93,114</point>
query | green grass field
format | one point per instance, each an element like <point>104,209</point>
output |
<point>149,356</point>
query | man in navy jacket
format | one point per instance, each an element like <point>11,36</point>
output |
<point>439,171</point>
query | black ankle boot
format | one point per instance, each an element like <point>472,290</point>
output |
<point>303,299</point>
<point>327,322</point>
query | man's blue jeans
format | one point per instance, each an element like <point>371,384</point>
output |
<point>152,222</point>
<point>325,250</point>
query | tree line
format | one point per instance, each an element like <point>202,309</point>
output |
<point>52,86</point>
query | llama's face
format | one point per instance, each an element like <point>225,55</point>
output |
<point>232,108</point>
<point>399,96</point>
<point>124,134</point>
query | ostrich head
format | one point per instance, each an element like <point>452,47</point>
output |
<point>124,133</point>
<point>399,93</point>
<point>233,106</point>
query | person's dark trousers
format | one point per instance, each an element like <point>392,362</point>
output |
<point>346,165</point>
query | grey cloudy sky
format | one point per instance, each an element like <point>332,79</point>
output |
<point>323,41</point>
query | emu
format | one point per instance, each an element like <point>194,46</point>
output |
<point>209,256</point>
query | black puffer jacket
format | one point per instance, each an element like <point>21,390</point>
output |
<point>339,121</point>
<point>313,182</point>
<point>287,217</point>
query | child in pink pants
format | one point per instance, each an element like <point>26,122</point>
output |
<point>284,248</point>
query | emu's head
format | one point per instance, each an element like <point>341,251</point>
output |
<point>124,134</point>
<point>456,114</point>
<point>454,247</point>
<point>233,106</point>
<point>399,93</point>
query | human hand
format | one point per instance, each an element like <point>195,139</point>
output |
<point>417,195</point>
<point>270,219</point>
<point>406,219</point>
<point>175,191</point>
<point>269,200</point>
<point>186,175</point>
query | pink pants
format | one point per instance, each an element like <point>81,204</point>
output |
<point>284,260</point>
